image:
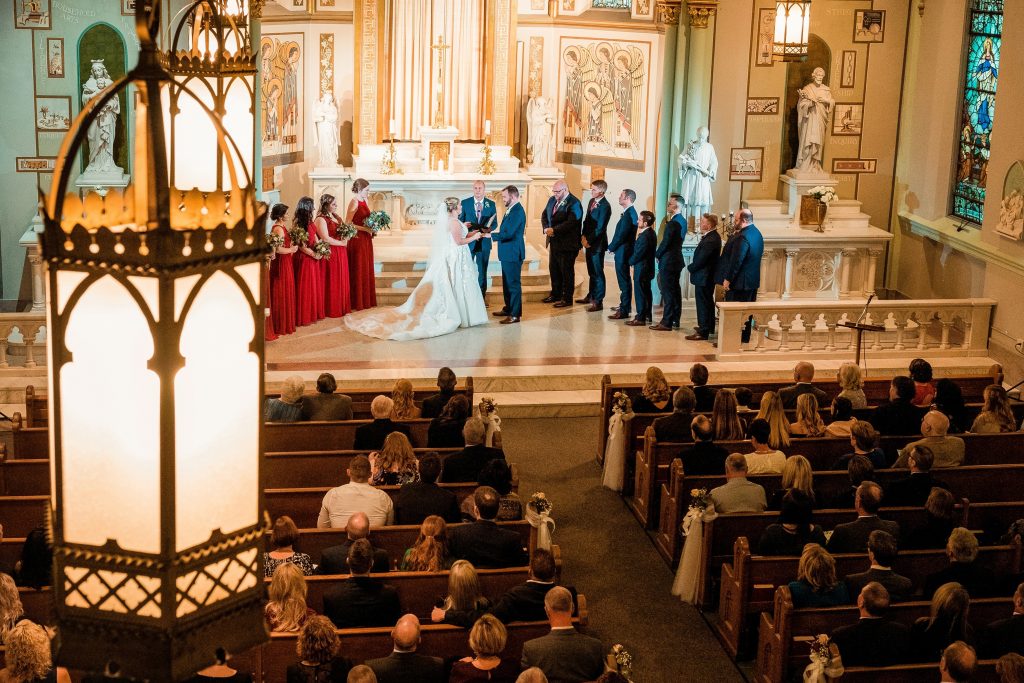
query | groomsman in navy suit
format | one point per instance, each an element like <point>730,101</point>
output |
<point>670,267</point>
<point>476,213</point>
<point>739,269</point>
<point>510,237</point>
<point>702,276</point>
<point>561,222</point>
<point>622,247</point>
<point>642,261</point>
<point>595,243</point>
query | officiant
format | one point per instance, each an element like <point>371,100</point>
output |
<point>477,213</point>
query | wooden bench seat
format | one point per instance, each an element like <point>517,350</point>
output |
<point>319,468</point>
<point>280,437</point>
<point>985,670</point>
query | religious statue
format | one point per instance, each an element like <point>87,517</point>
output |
<point>1011,215</point>
<point>698,166</point>
<point>102,130</point>
<point>325,118</point>
<point>541,135</point>
<point>813,108</point>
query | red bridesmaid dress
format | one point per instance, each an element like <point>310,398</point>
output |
<point>360,263</point>
<point>282,289</point>
<point>268,320</point>
<point>309,285</point>
<point>337,301</point>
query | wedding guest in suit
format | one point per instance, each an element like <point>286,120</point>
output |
<point>702,276</point>
<point>318,649</point>
<point>948,451</point>
<point>725,420</point>
<point>803,374</point>
<point>939,524</point>
<point>1005,635</point>
<point>642,262</point>
<point>949,400</point>
<point>287,408</point>
<point>859,469</point>
<point>357,495</point>
<point>467,463</point>
<point>670,267</point>
<point>958,663</point>
<point>445,430</point>
<point>511,253</point>
<point>487,639</point>
<point>595,244</point>
<point>744,397</point>
<point>476,213</point>
<point>704,394</point>
<point>676,427</point>
<point>325,404</point>
<point>525,602</point>
<point>561,221</point>
<point>881,555</point>
<point>842,418</point>
<point>420,499</point>
<point>864,440</point>
<point>370,437</point>
<point>873,640</point>
<point>915,489</point>
<point>484,543</point>
<point>656,394</point>
<point>430,552</point>
<point>704,456</point>
<point>621,247</point>
<point>565,654</point>
<point>334,559</point>
<point>433,405</point>
<point>361,601</point>
<point>962,550</point>
<point>738,494</point>
<point>404,664</point>
<point>739,270</point>
<point>794,529</point>
<point>498,475</point>
<point>996,415</point>
<point>851,381</point>
<point>465,603</point>
<point>947,623</point>
<point>899,416</point>
<point>920,371</point>
<point>852,537</point>
<point>816,584</point>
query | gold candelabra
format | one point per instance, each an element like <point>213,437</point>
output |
<point>389,164</point>
<point>487,166</point>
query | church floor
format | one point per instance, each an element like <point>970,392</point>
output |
<point>609,558</point>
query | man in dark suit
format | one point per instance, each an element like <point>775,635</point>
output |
<point>962,551</point>
<point>334,559</point>
<point>325,404</point>
<point>702,276</point>
<point>915,489</point>
<point>433,405</point>
<point>899,416</point>
<point>419,499</point>
<point>370,437</point>
<point>676,427</point>
<point>873,640</point>
<point>511,254</point>
<point>595,244</point>
<point>525,602</point>
<point>477,213</point>
<point>670,267</point>
<point>484,543</point>
<point>1005,635</point>
<point>642,262</point>
<point>739,270</point>
<point>704,457</point>
<point>466,464</point>
<point>803,375</point>
<point>361,601</point>
<point>704,394</point>
<point>852,537</point>
<point>565,655</point>
<point>403,665</point>
<point>622,248</point>
<point>561,222</point>
<point>881,555</point>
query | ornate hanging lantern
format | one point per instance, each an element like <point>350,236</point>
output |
<point>792,25</point>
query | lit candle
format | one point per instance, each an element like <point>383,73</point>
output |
<point>392,127</point>
<point>487,127</point>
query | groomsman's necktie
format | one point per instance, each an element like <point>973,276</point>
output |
<point>593,205</point>
<point>479,209</point>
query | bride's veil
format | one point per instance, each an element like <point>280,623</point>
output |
<point>440,238</point>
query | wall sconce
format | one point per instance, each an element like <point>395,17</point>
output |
<point>792,25</point>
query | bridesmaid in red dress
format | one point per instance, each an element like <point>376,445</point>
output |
<point>309,281</point>
<point>336,278</point>
<point>360,249</point>
<point>282,276</point>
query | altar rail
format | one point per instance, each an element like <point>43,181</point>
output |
<point>914,327</point>
<point>22,339</point>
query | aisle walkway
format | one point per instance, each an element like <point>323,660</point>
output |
<point>609,558</point>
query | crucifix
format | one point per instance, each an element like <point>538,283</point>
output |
<point>440,46</point>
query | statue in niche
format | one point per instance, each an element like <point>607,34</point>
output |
<point>698,166</point>
<point>325,119</point>
<point>102,130</point>
<point>541,132</point>
<point>813,107</point>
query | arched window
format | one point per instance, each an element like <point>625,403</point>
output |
<point>978,108</point>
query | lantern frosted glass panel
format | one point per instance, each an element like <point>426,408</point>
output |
<point>192,135</point>
<point>238,121</point>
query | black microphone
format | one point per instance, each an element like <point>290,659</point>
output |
<point>865,311</point>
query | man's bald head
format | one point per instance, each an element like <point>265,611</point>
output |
<point>746,216</point>
<point>358,526</point>
<point>559,186</point>
<point>406,633</point>
<point>803,371</point>
<point>934,424</point>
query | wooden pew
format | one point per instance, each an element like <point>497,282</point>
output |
<point>313,436</point>
<point>24,477</point>
<point>984,670</point>
<point>38,605</point>
<point>22,514</point>
<point>319,468</point>
<point>748,583</point>
<point>30,443</point>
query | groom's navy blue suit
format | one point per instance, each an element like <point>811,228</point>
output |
<point>481,248</point>
<point>511,253</point>
<point>622,246</point>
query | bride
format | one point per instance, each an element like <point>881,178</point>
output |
<point>447,298</point>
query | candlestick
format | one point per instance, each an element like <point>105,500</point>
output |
<point>487,127</point>
<point>392,128</point>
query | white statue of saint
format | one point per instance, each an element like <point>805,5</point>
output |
<point>813,109</point>
<point>698,166</point>
<point>325,118</point>
<point>541,133</point>
<point>103,128</point>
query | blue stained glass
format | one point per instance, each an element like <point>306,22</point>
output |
<point>981,78</point>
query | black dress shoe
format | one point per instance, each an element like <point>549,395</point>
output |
<point>511,320</point>
<point>660,328</point>
<point>618,316</point>
<point>548,300</point>
<point>636,322</point>
<point>696,336</point>
<point>503,313</point>
<point>594,307</point>
<point>584,300</point>
<point>563,304</point>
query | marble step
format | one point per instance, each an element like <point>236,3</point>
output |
<point>393,279</point>
<point>584,403</point>
<point>395,296</point>
<point>405,266</point>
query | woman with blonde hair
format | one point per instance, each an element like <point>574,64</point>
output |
<point>283,538</point>
<point>28,659</point>
<point>796,476</point>
<point>465,603</point>
<point>808,421</point>
<point>996,415</point>
<point>395,463</point>
<point>1010,668</point>
<point>11,610</point>
<point>287,610</point>
<point>725,421</point>
<point>430,552</point>
<point>773,412</point>
<point>946,624</point>
<point>816,584</point>
<point>317,647</point>
<point>656,396</point>
<point>287,407</point>
<point>487,640</point>
<point>851,380</point>
<point>405,405</point>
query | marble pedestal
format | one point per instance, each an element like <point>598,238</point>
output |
<point>100,183</point>
<point>795,184</point>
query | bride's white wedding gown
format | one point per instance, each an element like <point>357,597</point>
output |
<point>447,298</point>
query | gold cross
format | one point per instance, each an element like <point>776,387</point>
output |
<point>440,46</point>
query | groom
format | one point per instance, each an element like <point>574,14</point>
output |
<point>476,213</point>
<point>511,254</point>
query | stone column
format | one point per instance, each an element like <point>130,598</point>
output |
<point>787,291</point>
<point>846,264</point>
<point>668,13</point>
<point>766,257</point>
<point>869,283</point>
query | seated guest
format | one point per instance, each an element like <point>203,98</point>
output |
<point>525,602</point>
<point>738,494</point>
<point>794,530</point>
<point>947,623</point>
<point>948,451</point>
<point>395,463</point>
<point>873,640</point>
<point>565,654</point>
<point>703,457</point>
<point>370,437</point>
<point>334,559</point>
<point>405,401</point>
<point>35,568</point>
<point>775,415</point>
<point>362,674</point>
<point>403,664</point>
<point>286,610</point>
<point>318,649</point>
<point>361,601</point>
<point>808,422</point>
<point>676,427</point>
<point>803,374</point>
<point>484,543</point>
<point>1005,635</point>
<point>915,489</point>
<point>28,658</point>
<point>764,459</point>
<point>962,551</point>
<point>288,407</point>
<point>949,401</point>
<point>934,533</point>
<point>744,397</point>
<point>356,496</point>
<point>325,404</point>
<point>704,395</point>
<point>465,603</point>
<point>282,541</point>
<point>11,609</point>
<point>924,388</point>
<point>725,421</point>
<point>418,500</point>
<point>958,663</point>
<point>445,430</point>
<point>433,405</point>
<point>498,475</point>
<point>533,674</point>
<point>487,641</point>
<point>466,464</point>
<point>996,415</point>
<point>864,440</point>
<point>796,475</point>
<point>859,470</point>
<point>842,418</point>
<point>816,584</point>
<point>430,552</point>
<point>852,537</point>
<point>851,381</point>
<point>899,416</point>
<point>881,555</point>
<point>656,395</point>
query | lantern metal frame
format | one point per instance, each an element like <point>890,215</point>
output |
<point>788,50</point>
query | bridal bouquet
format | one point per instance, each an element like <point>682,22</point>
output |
<point>623,660</point>
<point>377,221</point>
<point>621,402</point>
<point>322,250</point>
<point>346,231</point>
<point>298,235</point>
<point>823,193</point>
<point>275,240</point>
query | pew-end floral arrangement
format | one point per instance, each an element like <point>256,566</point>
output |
<point>623,660</point>
<point>539,503</point>
<point>487,406</point>
<point>621,402</point>
<point>700,499</point>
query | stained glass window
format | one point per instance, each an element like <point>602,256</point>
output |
<point>611,4</point>
<point>981,76</point>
